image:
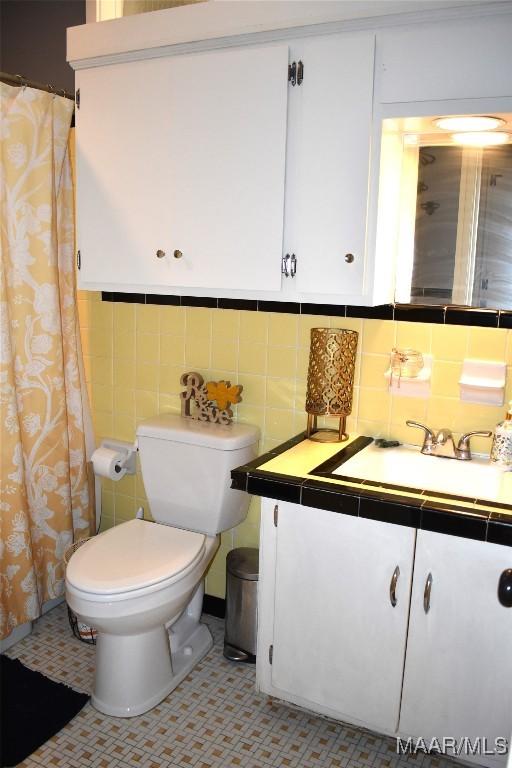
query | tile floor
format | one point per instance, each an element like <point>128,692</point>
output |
<point>214,719</point>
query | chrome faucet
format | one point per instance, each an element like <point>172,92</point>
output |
<point>443,443</point>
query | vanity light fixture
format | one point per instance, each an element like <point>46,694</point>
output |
<point>481,138</point>
<point>332,360</point>
<point>468,123</point>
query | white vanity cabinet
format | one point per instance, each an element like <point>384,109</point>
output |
<point>458,669</point>
<point>181,169</point>
<point>333,607</point>
<point>345,629</point>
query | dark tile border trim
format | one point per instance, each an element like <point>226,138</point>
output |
<point>341,457</point>
<point>413,313</point>
<point>215,606</point>
<point>440,514</point>
<point>499,529</point>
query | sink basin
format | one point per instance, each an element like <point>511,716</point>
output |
<point>407,466</point>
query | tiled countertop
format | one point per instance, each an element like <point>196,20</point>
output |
<point>298,471</point>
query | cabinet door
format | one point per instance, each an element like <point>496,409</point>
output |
<point>464,59</point>
<point>458,671</point>
<point>183,153</point>
<point>333,157</point>
<point>338,640</point>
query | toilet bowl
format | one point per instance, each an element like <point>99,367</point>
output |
<point>140,584</point>
<point>133,609</point>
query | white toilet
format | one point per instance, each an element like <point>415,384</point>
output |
<point>140,584</point>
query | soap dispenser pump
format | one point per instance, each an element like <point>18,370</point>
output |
<point>501,450</point>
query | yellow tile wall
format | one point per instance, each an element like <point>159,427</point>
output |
<point>134,356</point>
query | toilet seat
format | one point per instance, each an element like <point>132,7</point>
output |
<point>134,556</point>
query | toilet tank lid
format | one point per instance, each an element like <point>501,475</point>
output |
<point>178,429</point>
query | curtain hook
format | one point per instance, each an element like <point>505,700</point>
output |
<point>23,82</point>
<point>51,89</point>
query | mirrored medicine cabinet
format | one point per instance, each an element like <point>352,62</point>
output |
<point>453,210</point>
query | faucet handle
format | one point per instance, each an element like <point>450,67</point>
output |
<point>428,438</point>
<point>464,447</point>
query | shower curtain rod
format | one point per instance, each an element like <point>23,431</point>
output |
<point>48,87</point>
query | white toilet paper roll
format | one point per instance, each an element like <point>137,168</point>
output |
<point>107,463</point>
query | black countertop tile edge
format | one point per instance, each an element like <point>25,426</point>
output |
<point>499,529</point>
<point>454,522</point>
<point>239,478</point>
<point>497,505</point>
<point>320,495</point>
<point>240,474</point>
<point>415,313</point>
<point>273,486</point>
<point>375,503</point>
<point>341,457</point>
<point>391,510</point>
<point>450,497</point>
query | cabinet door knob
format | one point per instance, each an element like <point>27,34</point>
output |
<point>505,588</point>
<point>392,586</point>
<point>349,258</point>
<point>160,254</point>
<point>426,593</point>
<point>177,254</point>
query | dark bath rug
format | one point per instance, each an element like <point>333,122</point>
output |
<point>33,709</point>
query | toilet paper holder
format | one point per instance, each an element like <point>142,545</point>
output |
<point>128,449</point>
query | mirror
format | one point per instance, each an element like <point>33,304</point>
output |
<point>454,243</point>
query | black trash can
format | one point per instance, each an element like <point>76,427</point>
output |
<point>242,568</point>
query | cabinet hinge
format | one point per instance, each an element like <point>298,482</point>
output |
<point>77,98</point>
<point>270,653</point>
<point>289,265</point>
<point>276,514</point>
<point>295,73</point>
<point>78,260</point>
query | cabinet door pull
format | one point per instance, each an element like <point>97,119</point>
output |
<point>505,588</point>
<point>392,586</point>
<point>426,593</point>
<point>160,254</point>
<point>177,254</point>
<point>349,258</point>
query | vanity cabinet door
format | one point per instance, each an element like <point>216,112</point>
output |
<point>181,168</point>
<point>338,641</point>
<point>329,164</point>
<point>458,671</point>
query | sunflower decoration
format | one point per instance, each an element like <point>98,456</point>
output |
<point>223,393</point>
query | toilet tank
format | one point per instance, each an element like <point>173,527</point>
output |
<point>186,467</point>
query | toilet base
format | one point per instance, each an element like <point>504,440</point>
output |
<point>115,692</point>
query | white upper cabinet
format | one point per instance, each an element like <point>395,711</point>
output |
<point>199,170</point>
<point>445,60</point>
<point>181,167</point>
<point>330,163</point>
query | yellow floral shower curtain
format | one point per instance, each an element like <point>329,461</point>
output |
<point>45,501</point>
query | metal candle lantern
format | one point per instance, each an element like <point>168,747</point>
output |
<point>332,359</point>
